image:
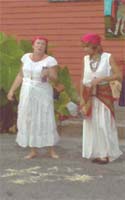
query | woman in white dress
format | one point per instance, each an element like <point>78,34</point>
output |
<point>36,120</point>
<point>100,140</point>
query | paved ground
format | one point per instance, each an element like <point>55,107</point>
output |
<point>68,178</point>
<point>120,119</point>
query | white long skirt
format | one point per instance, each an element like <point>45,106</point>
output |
<point>36,120</point>
<point>100,134</point>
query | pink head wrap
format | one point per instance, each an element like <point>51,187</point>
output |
<point>91,38</point>
<point>39,38</point>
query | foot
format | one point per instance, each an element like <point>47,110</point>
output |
<point>31,156</point>
<point>101,160</point>
<point>54,155</point>
<point>96,160</point>
<point>122,33</point>
<point>109,30</point>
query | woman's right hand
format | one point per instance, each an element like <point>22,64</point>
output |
<point>10,96</point>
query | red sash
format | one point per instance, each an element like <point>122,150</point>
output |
<point>103,93</point>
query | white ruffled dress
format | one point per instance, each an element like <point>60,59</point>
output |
<point>99,131</point>
<point>36,120</point>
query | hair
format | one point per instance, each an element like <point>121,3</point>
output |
<point>39,37</point>
<point>93,40</point>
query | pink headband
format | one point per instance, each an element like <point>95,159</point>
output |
<point>91,38</point>
<point>39,38</point>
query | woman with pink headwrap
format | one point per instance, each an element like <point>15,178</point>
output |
<point>100,141</point>
<point>36,120</point>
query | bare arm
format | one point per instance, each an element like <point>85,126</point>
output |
<point>116,74</point>
<point>52,73</point>
<point>81,86</point>
<point>17,82</point>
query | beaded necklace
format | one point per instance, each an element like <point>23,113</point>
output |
<point>94,64</point>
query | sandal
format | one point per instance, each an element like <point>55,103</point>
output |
<point>103,161</point>
<point>96,160</point>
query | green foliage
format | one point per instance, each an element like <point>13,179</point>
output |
<point>25,45</point>
<point>3,98</point>
<point>69,93</point>
<point>10,54</point>
<point>2,37</point>
<point>65,78</point>
<point>60,104</point>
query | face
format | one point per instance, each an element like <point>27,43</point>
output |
<point>88,49</point>
<point>39,46</point>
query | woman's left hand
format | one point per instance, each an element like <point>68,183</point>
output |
<point>96,81</point>
<point>45,71</point>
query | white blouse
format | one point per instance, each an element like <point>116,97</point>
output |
<point>33,70</point>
